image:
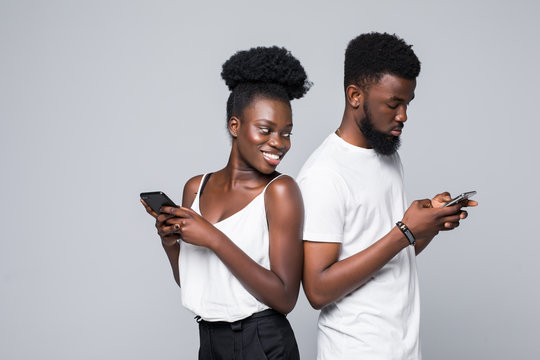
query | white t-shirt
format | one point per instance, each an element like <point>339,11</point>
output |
<point>354,196</point>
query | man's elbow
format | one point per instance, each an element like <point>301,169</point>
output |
<point>316,299</point>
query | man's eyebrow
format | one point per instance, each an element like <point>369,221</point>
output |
<point>397,98</point>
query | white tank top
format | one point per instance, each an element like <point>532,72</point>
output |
<point>208,288</point>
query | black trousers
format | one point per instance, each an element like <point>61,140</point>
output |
<point>266,335</point>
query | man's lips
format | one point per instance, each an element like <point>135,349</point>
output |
<point>397,130</point>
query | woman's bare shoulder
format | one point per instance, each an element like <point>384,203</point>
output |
<point>283,188</point>
<point>190,190</point>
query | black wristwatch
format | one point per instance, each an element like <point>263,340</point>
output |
<point>407,232</point>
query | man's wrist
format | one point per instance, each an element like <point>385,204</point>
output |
<point>407,232</point>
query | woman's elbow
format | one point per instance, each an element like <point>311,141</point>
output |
<point>285,307</point>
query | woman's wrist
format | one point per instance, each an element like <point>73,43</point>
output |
<point>170,243</point>
<point>215,240</point>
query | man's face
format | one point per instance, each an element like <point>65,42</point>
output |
<point>385,111</point>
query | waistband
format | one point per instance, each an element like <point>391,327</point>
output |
<point>237,325</point>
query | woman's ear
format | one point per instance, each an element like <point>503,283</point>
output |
<point>234,126</point>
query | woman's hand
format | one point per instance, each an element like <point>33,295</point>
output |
<point>165,231</point>
<point>190,226</point>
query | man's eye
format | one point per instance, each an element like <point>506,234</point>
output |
<point>393,107</point>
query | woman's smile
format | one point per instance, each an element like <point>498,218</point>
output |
<point>272,159</point>
<point>264,129</point>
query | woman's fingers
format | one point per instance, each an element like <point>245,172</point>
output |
<point>149,209</point>
<point>176,211</point>
<point>166,231</point>
<point>163,219</point>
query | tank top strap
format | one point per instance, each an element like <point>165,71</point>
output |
<point>202,184</point>
<point>277,177</point>
<point>195,203</point>
<point>204,180</point>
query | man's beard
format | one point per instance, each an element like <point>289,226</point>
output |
<point>380,142</point>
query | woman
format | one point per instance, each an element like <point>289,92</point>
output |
<point>235,244</point>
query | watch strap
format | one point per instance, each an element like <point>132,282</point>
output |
<point>407,232</point>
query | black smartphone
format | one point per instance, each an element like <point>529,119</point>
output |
<point>157,199</point>
<point>459,198</point>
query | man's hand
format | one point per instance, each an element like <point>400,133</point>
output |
<point>440,199</point>
<point>425,221</point>
<point>427,218</point>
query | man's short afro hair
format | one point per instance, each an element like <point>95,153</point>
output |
<point>370,56</point>
<point>263,71</point>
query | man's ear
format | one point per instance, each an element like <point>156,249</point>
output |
<point>355,96</point>
<point>233,126</point>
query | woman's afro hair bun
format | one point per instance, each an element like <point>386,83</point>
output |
<point>270,65</point>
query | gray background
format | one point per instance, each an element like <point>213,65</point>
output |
<point>100,100</point>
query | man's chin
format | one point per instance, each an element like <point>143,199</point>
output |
<point>388,146</point>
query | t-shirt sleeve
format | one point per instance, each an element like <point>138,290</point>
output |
<point>324,193</point>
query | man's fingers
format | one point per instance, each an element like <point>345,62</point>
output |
<point>440,199</point>
<point>450,210</point>
<point>443,197</point>
<point>425,203</point>
<point>450,225</point>
<point>451,219</point>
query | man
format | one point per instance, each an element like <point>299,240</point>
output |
<point>359,265</point>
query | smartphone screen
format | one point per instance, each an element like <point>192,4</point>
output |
<point>157,199</point>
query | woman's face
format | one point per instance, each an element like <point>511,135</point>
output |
<point>263,133</point>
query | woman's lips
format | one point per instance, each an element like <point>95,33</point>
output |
<point>272,159</point>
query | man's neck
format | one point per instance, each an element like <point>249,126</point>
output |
<point>350,131</point>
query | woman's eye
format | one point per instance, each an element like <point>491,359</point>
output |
<point>287,135</point>
<point>264,131</point>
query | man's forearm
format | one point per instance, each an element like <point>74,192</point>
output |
<point>326,285</point>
